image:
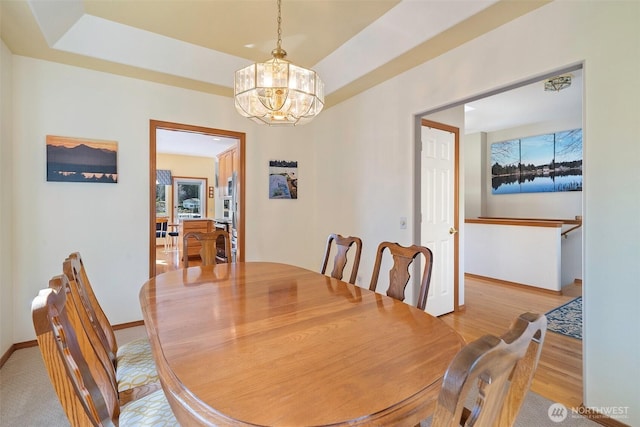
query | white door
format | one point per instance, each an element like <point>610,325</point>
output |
<point>439,212</point>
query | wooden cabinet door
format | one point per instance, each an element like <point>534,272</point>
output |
<point>235,161</point>
<point>228,162</point>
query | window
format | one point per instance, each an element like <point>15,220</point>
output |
<point>161,200</point>
<point>189,194</point>
<point>163,181</point>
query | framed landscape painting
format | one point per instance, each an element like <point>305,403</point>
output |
<point>537,164</point>
<point>81,160</point>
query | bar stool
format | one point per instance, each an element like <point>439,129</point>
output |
<point>172,237</point>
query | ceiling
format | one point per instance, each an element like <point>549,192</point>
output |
<point>525,105</point>
<point>199,44</point>
<point>191,143</point>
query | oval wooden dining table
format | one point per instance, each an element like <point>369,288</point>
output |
<point>269,344</point>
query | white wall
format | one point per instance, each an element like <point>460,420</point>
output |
<point>475,195</point>
<point>571,255</point>
<point>518,254</point>
<point>6,195</point>
<point>365,176</point>
<point>280,230</point>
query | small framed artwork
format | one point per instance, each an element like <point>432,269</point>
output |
<point>81,160</point>
<point>283,179</point>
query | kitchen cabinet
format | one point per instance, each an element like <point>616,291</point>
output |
<point>228,162</point>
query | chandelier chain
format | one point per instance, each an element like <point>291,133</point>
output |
<point>279,45</point>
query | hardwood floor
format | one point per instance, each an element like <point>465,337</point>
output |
<point>491,307</point>
<point>171,259</point>
<point>167,260</point>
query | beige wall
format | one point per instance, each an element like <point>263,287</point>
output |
<point>190,167</point>
<point>7,336</point>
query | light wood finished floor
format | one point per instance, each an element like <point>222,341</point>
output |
<point>489,309</point>
<point>171,259</point>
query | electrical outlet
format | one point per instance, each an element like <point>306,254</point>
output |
<point>403,222</point>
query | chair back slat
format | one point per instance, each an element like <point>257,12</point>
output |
<point>494,373</point>
<point>75,271</point>
<point>209,247</point>
<point>399,274</point>
<point>76,298</point>
<point>342,246</point>
<point>86,400</point>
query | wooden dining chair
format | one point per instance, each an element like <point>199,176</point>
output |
<point>87,396</point>
<point>493,374</point>
<point>403,257</point>
<point>133,363</point>
<point>342,246</point>
<point>93,351</point>
<point>209,252</point>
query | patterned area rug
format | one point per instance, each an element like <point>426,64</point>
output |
<point>567,319</point>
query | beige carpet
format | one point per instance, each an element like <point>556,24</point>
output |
<point>27,397</point>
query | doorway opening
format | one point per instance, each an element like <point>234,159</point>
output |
<point>521,107</point>
<point>482,121</point>
<point>193,196</point>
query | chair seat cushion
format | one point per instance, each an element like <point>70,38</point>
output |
<point>135,366</point>
<point>151,410</point>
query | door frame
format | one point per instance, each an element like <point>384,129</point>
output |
<point>456,198</point>
<point>154,125</point>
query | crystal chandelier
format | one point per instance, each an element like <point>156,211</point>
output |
<point>276,92</point>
